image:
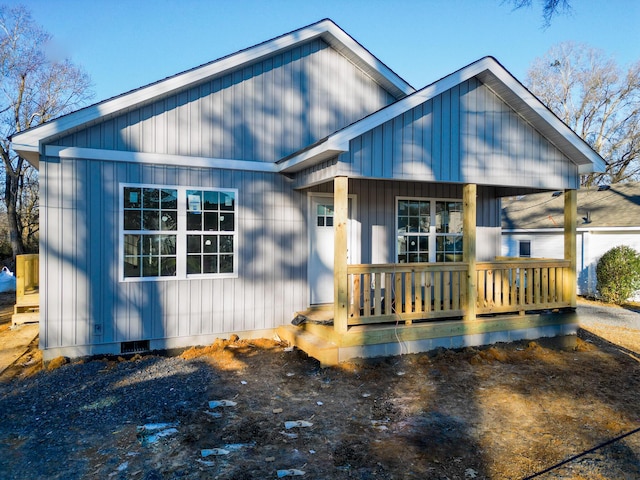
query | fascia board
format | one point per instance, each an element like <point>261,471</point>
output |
<point>363,58</point>
<point>561,230</point>
<point>592,161</point>
<point>609,229</point>
<point>531,230</point>
<point>326,29</point>
<point>21,147</point>
<point>28,152</point>
<point>322,151</point>
<point>158,159</point>
<point>586,168</point>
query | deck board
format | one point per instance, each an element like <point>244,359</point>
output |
<point>323,343</point>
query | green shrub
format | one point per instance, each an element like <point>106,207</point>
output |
<point>618,273</point>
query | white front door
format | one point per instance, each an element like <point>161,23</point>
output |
<point>321,248</point>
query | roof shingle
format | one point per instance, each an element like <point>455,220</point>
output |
<point>615,206</point>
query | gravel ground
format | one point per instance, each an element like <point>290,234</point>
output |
<point>506,412</point>
<point>591,313</point>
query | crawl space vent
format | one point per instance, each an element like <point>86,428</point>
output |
<point>134,347</point>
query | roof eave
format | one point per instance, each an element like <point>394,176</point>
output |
<point>320,152</point>
<point>30,140</point>
<point>496,77</point>
<point>506,86</point>
<point>30,153</point>
<point>365,60</point>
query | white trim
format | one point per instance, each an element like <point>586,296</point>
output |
<point>560,230</point>
<point>158,159</point>
<point>325,29</point>
<point>181,234</point>
<point>488,69</point>
<point>23,147</point>
<point>529,240</point>
<point>609,229</point>
<point>312,156</point>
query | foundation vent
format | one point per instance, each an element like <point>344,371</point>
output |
<point>134,347</point>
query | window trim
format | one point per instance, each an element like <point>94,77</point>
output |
<point>181,234</point>
<point>520,243</point>
<point>432,234</point>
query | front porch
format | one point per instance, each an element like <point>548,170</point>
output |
<point>411,308</point>
<point>395,308</point>
<point>418,291</point>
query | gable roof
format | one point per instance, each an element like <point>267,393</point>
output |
<point>29,143</point>
<point>616,205</point>
<point>491,73</point>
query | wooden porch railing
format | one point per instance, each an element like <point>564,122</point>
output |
<point>516,285</point>
<point>405,291</point>
<point>27,274</point>
<point>410,291</point>
<point>27,287</point>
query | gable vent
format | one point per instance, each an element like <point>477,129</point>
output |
<point>134,347</point>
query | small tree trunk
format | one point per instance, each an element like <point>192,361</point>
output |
<point>11,202</point>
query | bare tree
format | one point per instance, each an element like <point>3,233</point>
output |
<point>598,100</point>
<point>549,8</point>
<point>34,89</point>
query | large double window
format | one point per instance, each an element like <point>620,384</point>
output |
<point>429,230</point>
<point>177,232</point>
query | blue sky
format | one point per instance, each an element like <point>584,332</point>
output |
<point>125,44</point>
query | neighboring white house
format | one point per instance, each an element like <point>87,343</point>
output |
<point>608,216</point>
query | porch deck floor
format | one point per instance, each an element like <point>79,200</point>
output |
<point>317,337</point>
<point>27,308</point>
<point>319,315</point>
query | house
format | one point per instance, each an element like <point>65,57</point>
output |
<point>300,179</point>
<point>608,216</point>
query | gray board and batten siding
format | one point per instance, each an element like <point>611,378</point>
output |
<point>260,112</point>
<point>376,215</point>
<point>93,308</point>
<point>86,305</point>
<point>466,134</point>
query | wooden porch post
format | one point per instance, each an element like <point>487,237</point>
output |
<point>570,251</point>
<point>340,281</point>
<point>469,249</point>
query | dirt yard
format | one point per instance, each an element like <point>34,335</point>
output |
<point>507,412</point>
